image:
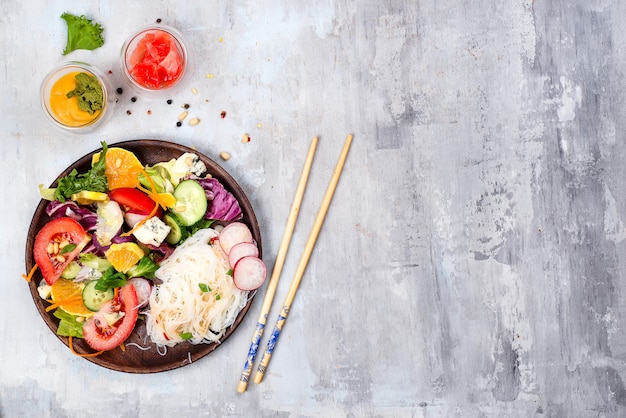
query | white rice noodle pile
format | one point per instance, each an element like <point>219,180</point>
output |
<point>196,299</point>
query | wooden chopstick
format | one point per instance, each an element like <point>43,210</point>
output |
<point>278,266</point>
<point>308,249</point>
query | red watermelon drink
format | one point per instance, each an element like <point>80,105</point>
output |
<point>155,58</point>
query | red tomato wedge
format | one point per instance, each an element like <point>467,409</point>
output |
<point>156,61</point>
<point>134,200</point>
<point>103,336</point>
<point>51,246</point>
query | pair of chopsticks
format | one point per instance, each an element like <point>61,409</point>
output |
<point>280,260</point>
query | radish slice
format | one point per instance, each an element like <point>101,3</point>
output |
<point>132,218</point>
<point>233,234</point>
<point>249,273</point>
<point>243,249</point>
<point>143,288</point>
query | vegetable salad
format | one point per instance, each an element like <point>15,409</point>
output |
<point>101,250</point>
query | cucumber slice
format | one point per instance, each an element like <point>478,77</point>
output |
<point>94,298</point>
<point>71,271</point>
<point>191,202</point>
<point>177,231</point>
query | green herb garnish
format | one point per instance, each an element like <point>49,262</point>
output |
<point>93,180</point>
<point>186,336</point>
<point>145,268</point>
<point>204,287</point>
<point>201,224</point>
<point>68,248</point>
<point>110,280</point>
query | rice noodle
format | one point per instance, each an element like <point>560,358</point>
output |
<point>197,297</point>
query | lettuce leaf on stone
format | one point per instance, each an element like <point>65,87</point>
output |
<point>82,33</point>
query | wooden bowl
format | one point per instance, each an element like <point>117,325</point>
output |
<point>134,359</point>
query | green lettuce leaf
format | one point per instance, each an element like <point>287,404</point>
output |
<point>82,33</point>
<point>93,180</point>
<point>68,326</point>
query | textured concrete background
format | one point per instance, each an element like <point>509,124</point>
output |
<point>472,262</point>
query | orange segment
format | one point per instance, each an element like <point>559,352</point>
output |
<point>124,256</point>
<point>122,168</point>
<point>68,295</point>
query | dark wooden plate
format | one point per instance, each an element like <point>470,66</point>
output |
<point>133,359</point>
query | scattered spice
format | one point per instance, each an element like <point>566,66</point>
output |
<point>225,155</point>
<point>209,75</point>
<point>186,106</point>
<point>194,121</point>
<point>158,20</point>
<point>245,138</point>
<point>110,72</point>
<point>128,112</point>
<point>169,101</point>
<point>179,124</point>
<point>133,99</point>
<point>119,90</point>
<point>149,111</point>
<point>183,115</point>
<point>194,90</point>
<point>219,39</point>
<point>223,114</point>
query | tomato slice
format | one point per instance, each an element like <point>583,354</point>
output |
<point>49,243</point>
<point>102,336</point>
<point>134,200</point>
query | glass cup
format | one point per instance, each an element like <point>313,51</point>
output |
<point>155,59</point>
<point>75,114</point>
